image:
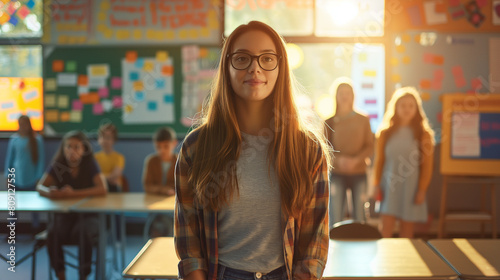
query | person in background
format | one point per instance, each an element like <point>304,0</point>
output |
<point>403,163</point>
<point>110,161</point>
<point>351,135</point>
<point>252,179</point>
<point>158,178</point>
<point>26,159</point>
<point>72,173</point>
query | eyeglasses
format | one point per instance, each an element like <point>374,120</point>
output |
<point>266,61</point>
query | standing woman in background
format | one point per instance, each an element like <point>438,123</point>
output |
<point>352,136</point>
<point>72,173</point>
<point>403,162</point>
<point>26,155</point>
<point>252,180</point>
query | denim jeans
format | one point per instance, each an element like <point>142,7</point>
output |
<point>339,184</point>
<point>226,273</point>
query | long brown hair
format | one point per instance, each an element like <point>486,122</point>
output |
<point>419,124</point>
<point>32,139</point>
<point>293,149</point>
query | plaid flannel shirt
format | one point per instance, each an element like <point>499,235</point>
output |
<point>305,239</point>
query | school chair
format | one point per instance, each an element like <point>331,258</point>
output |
<point>350,229</point>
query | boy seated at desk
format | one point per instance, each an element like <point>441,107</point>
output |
<point>110,161</point>
<point>158,178</point>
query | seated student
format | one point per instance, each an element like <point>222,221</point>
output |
<point>158,178</point>
<point>110,161</point>
<point>72,173</point>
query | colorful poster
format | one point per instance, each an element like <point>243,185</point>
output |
<point>147,91</point>
<point>20,96</point>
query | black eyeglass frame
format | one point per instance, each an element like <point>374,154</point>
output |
<point>252,57</point>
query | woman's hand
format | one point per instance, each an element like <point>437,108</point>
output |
<point>420,197</point>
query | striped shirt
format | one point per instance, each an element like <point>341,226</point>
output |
<point>305,239</point>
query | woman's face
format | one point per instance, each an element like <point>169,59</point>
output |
<point>73,150</point>
<point>345,97</point>
<point>406,109</point>
<point>253,83</point>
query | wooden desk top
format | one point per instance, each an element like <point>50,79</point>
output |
<point>122,202</point>
<point>157,259</point>
<point>33,201</point>
<point>471,258</point>
<point>395,258</point>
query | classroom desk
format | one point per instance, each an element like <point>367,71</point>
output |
<point>471,258</point>
<point>394,258</point>
<point>145,264</point>
<point>32,201</point>
<point>386,258</point>
<point>118,203</point>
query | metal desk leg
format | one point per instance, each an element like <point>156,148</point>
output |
<point>101,258</point>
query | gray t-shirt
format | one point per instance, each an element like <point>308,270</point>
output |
<point>250,233</point>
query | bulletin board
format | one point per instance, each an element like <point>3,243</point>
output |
<point>137,89</point>
<point>444,15</point>
<point>132,22</point>
<point>439,63</point>
<point>471,134</point>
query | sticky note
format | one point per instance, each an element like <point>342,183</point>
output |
<point>437,84</point>
<point>63,101</point>
<point>134,76</point>
<point>438,60</point>
<point>371,101</point>
<point>370,73</point>
<point>453,3</point>
<point>149,66</point>
<point>425,84</point>
<point>131,56</point>
<point>428,58</point>
<point>83,80</point>
<point>97,109</point>
<point>116,82</point>
<point>367,85</point>
<point>64,116</point>
<point>71,66</point>
<point>30,95</point>
<point>23,12</point>
<point>139,63</point>
<point>51,116</point>
<point>425,96</point>
<point>396,78</point>
<point>161,56</point>
<point>152,106</point>
<point>66,79</point>
<point>129,109</point>
<point>160,83</point>
<point>117,101</point>
<point>107,105</point>
<point>139,96</point>
<point>406,59</point>
<point>77,105</point>
<point>168,98</point>
<point>432,16</point>
<point>476,84</point>
<point>103,92</point>
<point>400,49</point>
<point>7,105</point>
<point>438,74</point>
<point>97,82</point>
<point>83,90</point>
<point>406,38</point>
<point>394,61</point>
<point>75,116</point>
<point>203,52</point>
<point>167,70</point>
<point>57,66</point>
<point>138,86</point>
<point>98,70</point>
<point>90,98</point>
<point>50,100</point>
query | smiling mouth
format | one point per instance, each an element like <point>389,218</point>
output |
<point>254,82</point>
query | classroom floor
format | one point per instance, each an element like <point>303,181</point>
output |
<point>24,245</point>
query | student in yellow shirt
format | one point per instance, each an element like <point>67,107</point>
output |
<point>110,161</point>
